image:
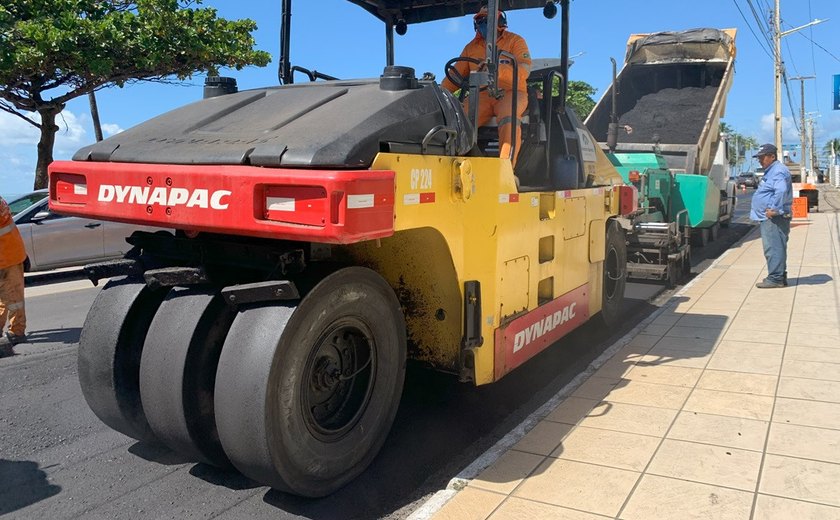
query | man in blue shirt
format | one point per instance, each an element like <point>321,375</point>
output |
<point>771,204</point>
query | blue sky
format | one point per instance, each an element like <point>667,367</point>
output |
<point>340,39</point>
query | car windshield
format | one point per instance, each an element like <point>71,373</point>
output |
<point>21,203</point>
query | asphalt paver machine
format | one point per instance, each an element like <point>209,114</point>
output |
<point>322,234</point>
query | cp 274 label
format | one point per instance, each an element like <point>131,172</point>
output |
<point>421,179</point>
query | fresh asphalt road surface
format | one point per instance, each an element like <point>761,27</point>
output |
<point>57,460</point>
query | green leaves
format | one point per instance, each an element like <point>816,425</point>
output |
<point>60,49</point>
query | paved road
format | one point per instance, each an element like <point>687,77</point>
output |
<point>58,461</point>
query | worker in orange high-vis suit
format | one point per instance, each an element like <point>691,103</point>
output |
<point>489,106</point>
<point>12,256</point>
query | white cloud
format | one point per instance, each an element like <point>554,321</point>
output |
<point>15,132</point>
<point>109,129</point>
<point>767,132</point>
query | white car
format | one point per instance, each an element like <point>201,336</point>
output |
<point>53,240</point>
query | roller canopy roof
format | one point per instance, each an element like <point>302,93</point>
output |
<point>416,11</point>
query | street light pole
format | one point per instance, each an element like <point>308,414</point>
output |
<point>779,66</point>
<point>802,154</point>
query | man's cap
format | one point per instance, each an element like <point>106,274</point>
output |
<point>766,149</point>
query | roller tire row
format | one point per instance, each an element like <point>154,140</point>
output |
<point>297,396</point>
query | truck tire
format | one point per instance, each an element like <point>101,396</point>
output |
<point>615,275</point>
<point>178,372</point>
<point>306,395</point>
<point>110,347</point>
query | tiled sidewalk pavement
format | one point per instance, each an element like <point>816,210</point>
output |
<point>726,406</point>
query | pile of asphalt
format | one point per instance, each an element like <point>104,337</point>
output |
<point>677,116</point>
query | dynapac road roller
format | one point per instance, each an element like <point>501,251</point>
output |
<point>322,234</point>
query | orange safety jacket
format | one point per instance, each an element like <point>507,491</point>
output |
<point>507,41</point>
<point>12,251</point>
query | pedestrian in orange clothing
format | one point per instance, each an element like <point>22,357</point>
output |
<point>489,106</point>
<point>12,256</point>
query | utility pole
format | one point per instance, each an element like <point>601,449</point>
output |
<point>802,140</point>
<point>779,67</point>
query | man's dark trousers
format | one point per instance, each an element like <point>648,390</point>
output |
<point>774,237</point>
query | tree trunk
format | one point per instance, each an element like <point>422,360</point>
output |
<point>45,145</point>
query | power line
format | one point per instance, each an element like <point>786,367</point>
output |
<point>820,46</point>
<point>760,43</point>
<point>790,101</point>
<point>761,27</point>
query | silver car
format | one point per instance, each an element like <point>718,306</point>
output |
<point>53,240</point>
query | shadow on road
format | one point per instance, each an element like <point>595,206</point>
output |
<point>813,279</point>
<point>22,483</point>
<point>69,336</point>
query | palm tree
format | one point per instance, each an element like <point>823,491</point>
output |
<point>827,149</point>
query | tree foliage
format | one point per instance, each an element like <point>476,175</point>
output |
<point>738,145</point>
<point>52,51</point>
<point>580,98</point>
<point>827,148</point>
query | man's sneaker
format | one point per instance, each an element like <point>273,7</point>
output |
<point>767,284</point>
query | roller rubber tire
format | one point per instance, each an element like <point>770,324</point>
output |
<point>110,348</point>
<point>615,275</point>
<point>267,374</point>
<point>178,372</point>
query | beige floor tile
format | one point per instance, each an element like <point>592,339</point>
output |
<point>716,465</point>
<point>747,323</point>
<point>805,442</point>
<point>814,328</point>
<point>734,362</point>
<point>667,318</point>
<point>801,479</point>
<point>694,333</point>
<point>470,504</point>
<point>648,394</point>
<point>735,432</point>
<point>630,418</point>
<point>807,413</point>
<point>810,389</point>
<point>757,336</point>
<point>608,448</point>
<point>520,509</point>
<point>821,354</point>
<point>572,410</point>
<point>730,404</point>
<point>596,387</point>
<point>544,437</point>
<point>726,381</point>
<point>644,340</point>
<point>811,370</point>
<point>666,375</point>
<point>507,472</point>
<point>699,345</point>
<point>815,340</point>
<point>751,349</point>
<point>674,358</point>
<point>708,321</point>
<point>776,508</point>
<point>656,330</point>
<point>586,487</point>
<point>660,498</point>
<point>614,368</point>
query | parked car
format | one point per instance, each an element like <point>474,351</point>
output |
<point>24,201</point>
<point>53,240</point>
<point>747,179</point>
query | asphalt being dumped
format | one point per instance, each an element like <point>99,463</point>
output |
<point>677,116</point>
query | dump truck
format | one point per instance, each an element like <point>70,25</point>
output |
<point>324,232</point>
<point>660,125</point>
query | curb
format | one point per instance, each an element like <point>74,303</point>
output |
<point>460,481</point>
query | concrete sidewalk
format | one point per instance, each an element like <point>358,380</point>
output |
<point>725,405</point>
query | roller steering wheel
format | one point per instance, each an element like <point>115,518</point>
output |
<point>454,76</point>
